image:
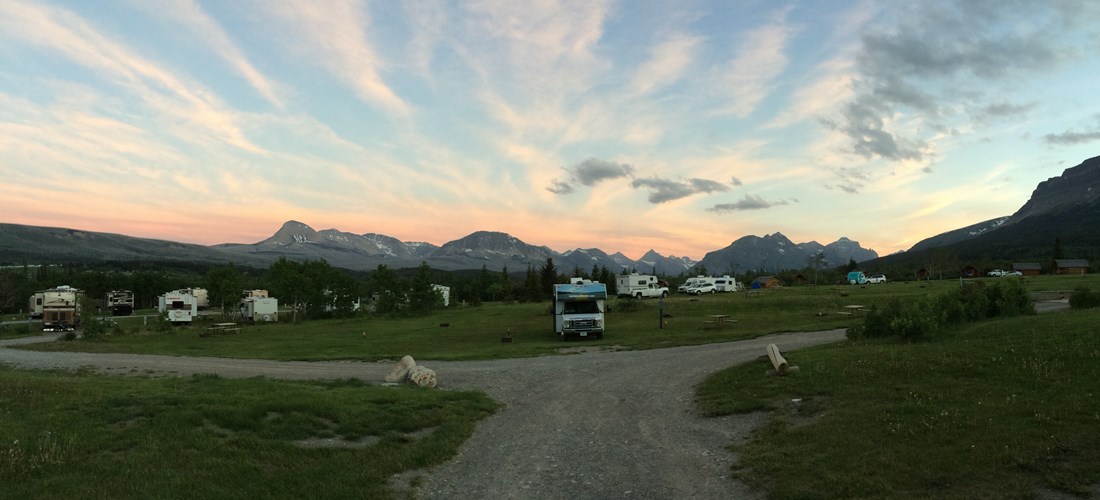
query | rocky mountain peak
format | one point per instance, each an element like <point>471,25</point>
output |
<point>1077,186</point>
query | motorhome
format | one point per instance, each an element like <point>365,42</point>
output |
<point>698,285</point>
<point>178,306</point>
<point>58,307</point>
<point>579,309</point>
<point>120,302</point>
<point>639,286</point>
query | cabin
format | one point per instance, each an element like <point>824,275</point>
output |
<point>1071,266</point>
<point>1028,268</point>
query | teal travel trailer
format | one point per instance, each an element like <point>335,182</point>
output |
<point>578,309</point>
<point>857,278</point>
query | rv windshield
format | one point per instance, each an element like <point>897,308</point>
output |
<point>581,308</point>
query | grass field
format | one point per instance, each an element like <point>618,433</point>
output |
<point>475,332</point>
<point>992,410</point>
<point>71,435</point>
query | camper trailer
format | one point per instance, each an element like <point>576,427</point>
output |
<point>725,284</point>
<point>857,278</point>
<point>120,302</point>
<point>58,307</point>
<point>639,285</point>
<point>178,306</point>
<point>579,309</point>
<point>202,298</point>
<point>260,309</point>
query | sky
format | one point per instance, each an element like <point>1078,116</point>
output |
<point>623,125</point>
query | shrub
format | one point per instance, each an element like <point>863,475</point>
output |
<point>1083,298</point>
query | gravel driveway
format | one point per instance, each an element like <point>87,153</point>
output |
<point>592,425</point>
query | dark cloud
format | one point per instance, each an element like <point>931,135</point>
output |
<point>749,202</point>
<point>1003,110</point>
<point>589,173</point>
<point>1070,137</point>
<point>707,186</point>
<point>559,187</point>
<point>594,170</point>
<point>662,190</point>
<point>940,62</point>
<point>735,181</point>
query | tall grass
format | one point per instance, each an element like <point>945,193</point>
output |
<point>994,409</point>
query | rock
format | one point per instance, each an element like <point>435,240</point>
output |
<point>401,371</point>
<point>422,377</point>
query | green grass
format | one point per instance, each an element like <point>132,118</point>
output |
<point>993,410</point>
<point>475,332</point>
<point>65,435</point>
<point>17,330</point>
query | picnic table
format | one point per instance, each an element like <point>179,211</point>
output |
<point>718,321</point>
<point>223,328</point>
<point>852,309</point>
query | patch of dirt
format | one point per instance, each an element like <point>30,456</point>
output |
<point>594,348</point>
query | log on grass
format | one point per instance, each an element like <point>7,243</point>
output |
<point>777,360</point>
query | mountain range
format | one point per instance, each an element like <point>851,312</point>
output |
<point>1065,207</point>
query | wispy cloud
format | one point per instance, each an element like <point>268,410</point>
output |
<point>333,34</point>
<point>667,63</point>
<point>760,58</point>
<point>939,61</point>
<point>190,15</point>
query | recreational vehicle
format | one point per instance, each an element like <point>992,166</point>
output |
<point>579,309</point>
<point>725,284</point>
<point>120,302</point>
<point>178,306</point>
<point>58,307</point>
<point>639,285</point>
<point>257,309</point>
<point>857,278</point>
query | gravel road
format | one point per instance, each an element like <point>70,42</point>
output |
<point>590,425</point>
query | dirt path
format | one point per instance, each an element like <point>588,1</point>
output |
<point>592,425</point>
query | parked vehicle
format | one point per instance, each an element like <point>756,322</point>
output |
<point>259,309</point>
<point>727,284</point>
<point>579,309</point>
<point>58,307</point>
<point>996,273</point>
<point>857,278</point>
<point>120,302</point>
<point>877,279</point>
<point>178,306</point>
<point>639,286</point>
<point>1012,273</point>
<point>702,288</point>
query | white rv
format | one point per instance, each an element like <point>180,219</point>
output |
<point>178,306</point>
<point>202,298</point>
<point>639,285</point>
<point>260,309</point>
<point>725,284</point>
<point>579,309</point>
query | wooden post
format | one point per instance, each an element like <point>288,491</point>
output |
<point>777,360</point>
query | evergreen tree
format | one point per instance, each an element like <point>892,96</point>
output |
<point>423,297</point>
<point>224,285</point>
<point>531,291</point>
<point>548,276</point>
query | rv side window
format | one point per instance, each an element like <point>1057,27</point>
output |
<point>177,304</point>
<point>581,308</point>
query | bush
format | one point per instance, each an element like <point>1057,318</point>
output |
<point>968,303</point>
<point>1084,298</point>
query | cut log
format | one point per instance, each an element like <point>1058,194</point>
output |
<point>777,360</point>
